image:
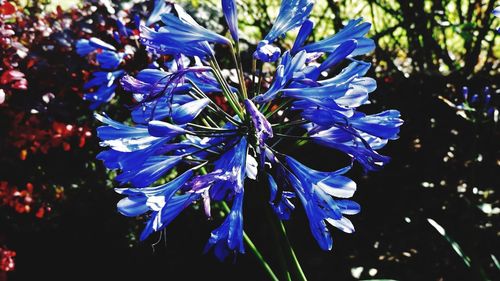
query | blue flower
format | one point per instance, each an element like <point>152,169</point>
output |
<point>189,31</point>
<point>162,202</point>
<point>84,48</point>
<point>315,190</point>
<point>354,30</point>
<point>292,14</point>
<point>217,144</point>
<point>229,236</point>
<point>161,42</point>
<point>288,68</point>
<point>234,163</point>
<point>109,60</point>
<point>105,84</point>
<point>281,203</point>
<point>231,14</point>
<point>160,7</point>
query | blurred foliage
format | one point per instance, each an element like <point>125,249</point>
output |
<point>432,36</point>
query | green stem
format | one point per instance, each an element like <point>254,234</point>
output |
<point>239,69</point>
<point>226,90</point>
<point>291,123</point>
<point>254,249</point>
<point>247,239</point>
<point>278,245</point>
<point>278,108</point>
<point>291,254</point>
<point>286,247</point>
<point>216,108</point>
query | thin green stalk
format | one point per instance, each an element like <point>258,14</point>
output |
<point>239,69</point>
<point>291,123</point>
<point>291,259</point>
<point>225,89</point>
<point>280,252</point>
<point>247,239</point>
<point>291,255</point>
<point>253,72</point>
<point>254,249</point>
<point>269,114</point>
<point>216,107</point>
<point>265,107</point>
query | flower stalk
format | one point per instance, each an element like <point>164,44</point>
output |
<point>181,121</point>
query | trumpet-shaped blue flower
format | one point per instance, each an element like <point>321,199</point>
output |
<point>229,236</point>
<point>354,30</point>
<point>292,14</point>
<point>160,7</point>
<point>110,60</point>
<point>315,190</point>
<point>281,203</point>
<point>231,15</point>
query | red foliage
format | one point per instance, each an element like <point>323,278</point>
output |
<point>7,260</point>
<point>29,135</point>
<point>28,199</point>
<point>6,8</point>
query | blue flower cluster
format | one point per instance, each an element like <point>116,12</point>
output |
<point>111,59</point>
<point>180,125</point>
<point>475,108</point>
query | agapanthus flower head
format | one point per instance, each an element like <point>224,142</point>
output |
<point>476,108</point>
<point>114,59</point>
<point>179,123</point>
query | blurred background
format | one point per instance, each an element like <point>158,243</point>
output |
<point>431,214</point>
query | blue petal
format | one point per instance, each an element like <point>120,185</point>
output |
<point>160,7</point>
<point>109,60</point>
<point>163,129</point>
<point>168,213</point>
<point>132,206</point>
<point>187,32</point>
<point>332,183</point>
<point>292,14</point>
<point>188,112</point>
<point>353,30</point>
<point>167,190</point>
<point>383,125</point>
<point>284,74</point>
<point>83,47</point>
<point>154,168</point>
<point>229,236</point>
<point>234,162</point>
<point>163,43</point>
<point>284,207</point>
<point>496,12</point>
<point>98,43</point>
<point>230,12</point>
<point>304,32</point>
<point>337,56</point>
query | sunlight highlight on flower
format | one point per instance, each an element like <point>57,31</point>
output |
<point>181,125</point>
